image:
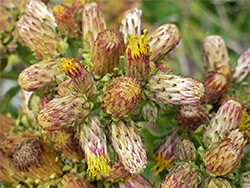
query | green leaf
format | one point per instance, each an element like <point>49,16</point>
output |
<point>7,99</point>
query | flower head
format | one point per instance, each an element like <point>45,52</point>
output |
<point>93,141</point>
<point>182,175</point>
<point>83,82</point>
<point>164,156</point>
<point>221,158</point>
<point>121,96</point>
<point>37,160</point>
<point>137,55</point>
<point>127,143</point>
<point>64,111</point>
<point>67,23</point>
<point>171,89</point>
<point>105,56</point>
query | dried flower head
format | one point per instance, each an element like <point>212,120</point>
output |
<point>191,117</point>
<point>121,96</point>
<point>105,56</point>
<point>38,161</point>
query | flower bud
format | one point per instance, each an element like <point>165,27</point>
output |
<point>38,30</point>
<point>66,21</point>
<point>245,179</point>
<point>83,82</point>
<point>215,86</point>
<point>92,24</point>
<point>93,141</point>
<point>64,111</point>
<point>171,89</point>
<point>137,55</point>
<point>136,180</point>
<point>227,117</point>
<point>127,143</point>
<point>121,96</point>
<point>182,175</point>
<point>38,161</point>
<point>191,117</point>
<point>40,11</point>
<point>242,68</point>
<point>162,41</point>
<point>70,180</point>
<point>131,23</point>
<point>40,76</point>
<point>221,158</point>
<point>185,151</point>
<point>105,56</point>
<point>215,52</point>
<point>216,182</point>
<point>164,156</point>
<point>66,142</point>
<point>150,112</point>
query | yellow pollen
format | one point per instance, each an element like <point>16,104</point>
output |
<point>58,9</point>
<point>69,65</point>
<point>130,89</point>
<point>138,46</point>
<point>161,163</point>
<point>97,164</point>
<point>245,124</point>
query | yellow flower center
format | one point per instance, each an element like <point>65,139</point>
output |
<point>138,46</point>
<point>58,9</point>
<point>162,163</point>
<point>70,66</point>
<point>97,164</point>
<point>245,123</point>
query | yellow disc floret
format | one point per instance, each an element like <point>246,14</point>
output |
<point>97,164</point>
<point>245,124</point>
<point>161,162</point>
<point>70,66</point>
<point>138,46</point>
<point>58,9</point>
